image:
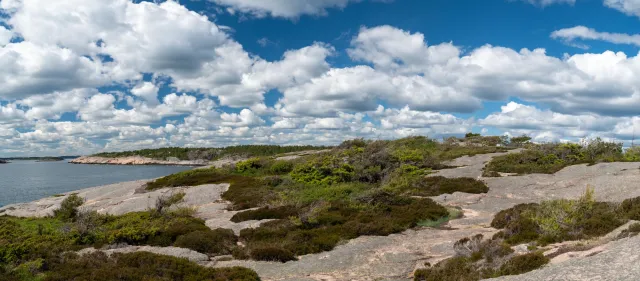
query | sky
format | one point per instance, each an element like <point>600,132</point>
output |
<point>86,76</point>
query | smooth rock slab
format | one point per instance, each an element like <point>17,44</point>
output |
<point>167,251</point>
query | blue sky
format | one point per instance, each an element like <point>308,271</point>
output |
<point>88,76</point>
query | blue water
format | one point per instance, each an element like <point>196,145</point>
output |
<point>24,181</point>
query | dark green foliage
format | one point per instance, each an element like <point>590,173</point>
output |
<point>434,186</point>
<point>561,220</point>
<point>320,228</point>
<point>281,167</point>
<point>281,212</point>
<point>141,266</point>
<point>212,153</point>
<point>333,196</point>
<point>453,269</point>
<point>69,208</point>
<point>518,141</point>
<point>325,170</point>
<point>631,207</point>
<point>244,192</point>
<point>550,158</point>
<point>523,263</point>
<point>249,165</point>
<point>214,242</point>
<point>477,259</point>
<point>272,254</point>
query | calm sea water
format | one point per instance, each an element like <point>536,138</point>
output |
<point>24,181</point>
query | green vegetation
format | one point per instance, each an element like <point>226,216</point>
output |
<point>318,201</point>
<point>69,207</point>
<point>562,220</point>
<point>212,153</point>
<point>477,259</point>
<point>32,248</point>
<point>550,158</point>
<point>140,266</point>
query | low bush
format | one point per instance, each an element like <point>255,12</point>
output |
<point>264,213</point>
<point>550,158</point>
<point>213,242</point>
<point>272,254</point>
<point>523,263</point>
<point>281,167</point>
<point>69,208</point>
<point>140,266</point>
<point>478,259</point>
<point>250,165</point>
<point>453,269</point>
<point>560,220</point>
<point>419,185</point>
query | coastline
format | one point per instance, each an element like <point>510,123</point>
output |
<point>136,160</point>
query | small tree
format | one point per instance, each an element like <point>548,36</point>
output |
<point>69,208</point>
<point>164,202</point>
<point>520,140</point>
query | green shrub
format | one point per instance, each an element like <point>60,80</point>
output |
<point>324,170</point>
<point>523,263</point>
<point>272,254</point>
<point>453,269</point>
<point>550,158</point>
<point>69,208</point>
<point>419,185</point>
<point>141,266</point>
<point>560,220</point>
<point>214,242</point>
<point>263,213</point>
<point>281,167</point>
<point>249,165</point>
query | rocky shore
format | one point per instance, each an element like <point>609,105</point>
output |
<point>137,160</point>
<point>395,257</point>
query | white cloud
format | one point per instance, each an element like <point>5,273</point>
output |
<point>283,8</point>
<point>147,91</point>
<point>569,35</point>
<point>29,69</point>
<point>5,36</point>
<point>544,3</point>
<point>390,48</point>
<point>629,7</point>
<point>52,106</point>
<point>246,118</point>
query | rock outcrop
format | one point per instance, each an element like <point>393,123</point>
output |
<point>395,257</point>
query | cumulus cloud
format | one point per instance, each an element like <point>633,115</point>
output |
<point>629,7</point>
<point>283,8</point>
<point>391,82</point>
<point>29,69</point>
<point>570,35</point>
<point>5,36</point>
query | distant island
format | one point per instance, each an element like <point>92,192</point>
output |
<point>191,156</point>
<point>38,159</point>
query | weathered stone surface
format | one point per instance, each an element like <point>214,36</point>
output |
<point>167,251</point>
<point>126,197</point>
<point>617,261</point>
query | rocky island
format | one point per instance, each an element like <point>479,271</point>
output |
<point>191,156</point>
<point>410,209</point>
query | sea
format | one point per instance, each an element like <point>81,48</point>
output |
<point>25,181</point>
